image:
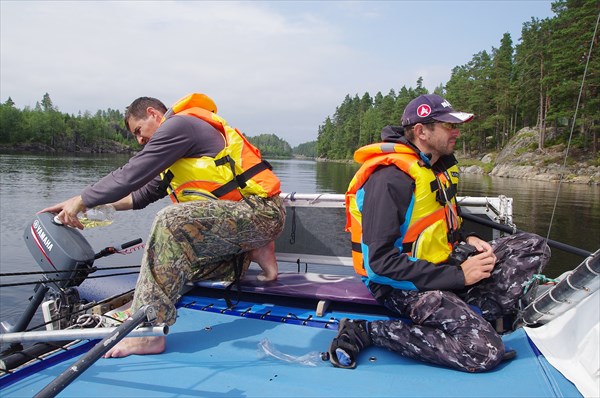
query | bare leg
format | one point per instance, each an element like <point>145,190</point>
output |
<point>137,345</point>
<point>265,258</point>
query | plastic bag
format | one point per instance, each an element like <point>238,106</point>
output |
<point>313,358</point>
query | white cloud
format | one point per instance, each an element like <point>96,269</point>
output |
<point>272,67</point>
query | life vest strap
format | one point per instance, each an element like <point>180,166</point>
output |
<point>450,194</point>
<point>239,179</point>
<point>165,184</point>
<point>241,182</point>
<point>406,247</point>
<point>453,236</point>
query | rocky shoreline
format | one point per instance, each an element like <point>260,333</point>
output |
<point>519,160</point>
<point>554,173</point>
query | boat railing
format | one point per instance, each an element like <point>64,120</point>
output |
<point>314,231</point>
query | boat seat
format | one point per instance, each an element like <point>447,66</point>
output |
<point>323,287</point>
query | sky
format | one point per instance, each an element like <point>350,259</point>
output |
<point>272,67</point>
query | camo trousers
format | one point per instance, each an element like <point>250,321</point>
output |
<point>202,240</point>
<point>445,330</point>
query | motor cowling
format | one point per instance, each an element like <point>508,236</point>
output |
<point>60,250</point>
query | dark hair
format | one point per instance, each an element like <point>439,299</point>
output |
<point>409,131</point>
<point>137,109</point>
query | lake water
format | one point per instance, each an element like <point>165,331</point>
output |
<point>32,182</point>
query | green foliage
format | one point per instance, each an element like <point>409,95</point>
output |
<point>47,126</point>
<point>358,121</point>
<point>271,146</point>
<point>529,148</point>
<point>535,83</point>
<point>486,167</point>
<point>307,150</point>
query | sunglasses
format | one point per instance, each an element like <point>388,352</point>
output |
<point>446,125</point>
<point>449,126</point>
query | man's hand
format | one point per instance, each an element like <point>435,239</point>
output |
<point>481,245</point>
<point>67,211</point>
<point>481,265</point>
<point>477,267</point>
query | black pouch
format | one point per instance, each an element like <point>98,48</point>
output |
<point>461,252</point>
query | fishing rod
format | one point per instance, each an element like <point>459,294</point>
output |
<point>107,251</point>
<point>26,273</point>
<point>55,280</point>
<point>144,314</point>
<point>511,230</point>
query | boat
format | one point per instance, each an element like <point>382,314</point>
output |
<point>256,339</point>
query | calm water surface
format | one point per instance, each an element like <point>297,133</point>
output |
<point>32,182</point>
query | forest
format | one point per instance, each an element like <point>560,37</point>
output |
<point>538,82</point>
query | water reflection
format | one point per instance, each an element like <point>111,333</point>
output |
<point>295,175</point>
<point>335,176</point>
<point>575,220</point>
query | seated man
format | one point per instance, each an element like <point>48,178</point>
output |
<point>404,222</point>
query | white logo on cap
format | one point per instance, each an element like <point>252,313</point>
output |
<point>423,110</point>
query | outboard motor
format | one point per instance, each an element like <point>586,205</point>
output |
<point>61,251</point>
<point>67,259</point>
<point>64,254</point>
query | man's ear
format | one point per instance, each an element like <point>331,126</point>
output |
<point>152,112</point>
<point>419,131</point>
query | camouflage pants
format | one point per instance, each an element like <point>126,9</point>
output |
<point>202,240</point>
<point>445,330</point>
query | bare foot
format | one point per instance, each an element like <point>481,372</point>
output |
<point>137,345</point>
<point>265,258</point>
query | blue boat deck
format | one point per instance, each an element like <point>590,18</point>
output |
<point>213,352</point>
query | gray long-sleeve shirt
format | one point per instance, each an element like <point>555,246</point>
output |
<point>178,137</point>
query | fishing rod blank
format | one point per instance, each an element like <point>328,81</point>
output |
<point>146,313</point>
<point>505,228</point>
<point>576,286</point>
<point>77,334</point>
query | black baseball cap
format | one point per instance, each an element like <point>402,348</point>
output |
<point>431,108</point>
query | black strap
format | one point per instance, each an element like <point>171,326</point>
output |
<point>238,180</point>
<point>165,184</point>
<point>406,247</point>
<point>454,237</point>
<point>238,265</point>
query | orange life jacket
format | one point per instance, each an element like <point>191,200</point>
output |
<point>429,233</point>
<point>235,172</point>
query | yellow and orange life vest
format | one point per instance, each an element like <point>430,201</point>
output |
<point>432,216</point>
<point>235,172</point>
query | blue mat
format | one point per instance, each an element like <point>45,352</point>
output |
<point>212,354</point>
